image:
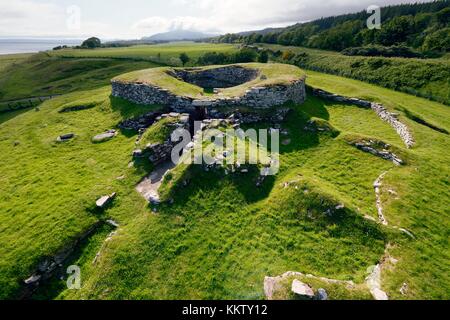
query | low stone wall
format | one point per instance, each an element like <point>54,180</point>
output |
<point>391,118</point>
<point>141,93</point>
<point>256,97</point>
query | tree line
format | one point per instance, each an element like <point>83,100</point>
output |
<point>423,27</point>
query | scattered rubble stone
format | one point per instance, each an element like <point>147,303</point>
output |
<point>65,137</point>
<point>391,118</point>
<point>302,290</point>
<point>141,122</point>
<point>379,149</point>
<point>108,135</point>
<point>112,223</point>
<point>404,289</point>
<point>322,294</point>
<point>104,201</point>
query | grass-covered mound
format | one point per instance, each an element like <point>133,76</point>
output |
<point>41,75</point>
<point>269,74</point>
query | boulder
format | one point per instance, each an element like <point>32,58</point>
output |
<point>65,137</point>
<point>138,153</point>
<point>322,294</point>
<point>379,294</point>
<point>104,201</point>
<point>104,136</point>
<point>112,223</point>
<point>33,279</point>
<point>302,290</point>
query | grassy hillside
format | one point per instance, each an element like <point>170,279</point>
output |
<point>64,71</point>
<point>42,75</point>
<point>49,189</point>
<point>423,26</point>
<point>9,59</point>
<point>168,53</point>
<point>221,235</point>
<point>429,78</point>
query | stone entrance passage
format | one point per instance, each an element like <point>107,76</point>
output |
<point>149,186</point>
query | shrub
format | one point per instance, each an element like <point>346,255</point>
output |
<point>184,58</point>
<point>438,41</point>
<point>373,51</point>
<point>243,56</point>
<point>91,43</point>
<point>210,58</point>
<point>287,55</point>
<point>263,57</point>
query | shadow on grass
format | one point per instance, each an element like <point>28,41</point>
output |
<point>10,115</point>
<point>129,110</point>
<point>84,253</point>
<point>216,180</point>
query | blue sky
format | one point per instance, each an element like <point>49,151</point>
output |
<point>131,19</point>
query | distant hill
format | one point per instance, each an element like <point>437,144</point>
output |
<point>422,26</point>
<point>178,35</point>
<point>263,31</point>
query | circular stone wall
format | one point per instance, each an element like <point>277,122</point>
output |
<point>253,85</point>
<point>222,77</point>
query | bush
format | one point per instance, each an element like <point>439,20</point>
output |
<point>242,56</point>
<point>210,58</point>
<point>373,51</point>
<point>184,58</point>
<point>91,43</point>
<point>438,41</point>
<point>287,55</point>
<point>263,57</point>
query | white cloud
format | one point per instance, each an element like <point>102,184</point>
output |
<point>29,18</point>
<point>109,19</point>
<point>160,24</point>
<point>241,15</point>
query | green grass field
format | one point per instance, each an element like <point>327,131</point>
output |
<point>161,53</point>
<point>9,59</point>
<point>25,76</point>
<point>41,75</point>
<point>222,236</point>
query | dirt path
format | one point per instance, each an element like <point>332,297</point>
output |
<point>149,186</point>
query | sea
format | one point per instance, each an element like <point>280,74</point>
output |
<point>10,46</point>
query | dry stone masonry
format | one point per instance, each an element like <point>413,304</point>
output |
<point>256,97</point>
<point>391,118</point>
<point>224,77</point>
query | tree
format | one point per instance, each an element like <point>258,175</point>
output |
<point>184,58</point>
<point>263,57</point>
<point>438,41</point>
<point>443,16</point>
<point>91,43</point>
<point>288,55</point>
<point>213,58</point>
<point>243,56</point>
